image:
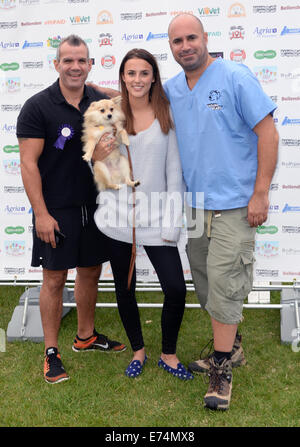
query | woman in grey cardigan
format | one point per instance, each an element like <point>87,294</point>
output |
<point>158,211</point>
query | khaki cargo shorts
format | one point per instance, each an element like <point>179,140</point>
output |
<point>221,262</point>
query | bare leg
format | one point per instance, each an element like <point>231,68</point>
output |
<point>224,335</point>
<point>85,292</point>
<point>51,304</point>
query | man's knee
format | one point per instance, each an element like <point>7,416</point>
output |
<point>54,281</point>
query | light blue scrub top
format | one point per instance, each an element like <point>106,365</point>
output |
<point>214,123</point>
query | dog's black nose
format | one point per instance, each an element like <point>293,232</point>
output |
<point>109,116</point>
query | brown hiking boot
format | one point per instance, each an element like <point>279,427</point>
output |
<point>220,384</point>
<point>237,357</point>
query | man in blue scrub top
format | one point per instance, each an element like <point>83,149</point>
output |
<point>228,145</point>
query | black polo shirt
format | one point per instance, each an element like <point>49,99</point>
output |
<point>67,180</point>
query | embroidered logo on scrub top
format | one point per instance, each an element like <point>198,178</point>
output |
<point>214,98</point>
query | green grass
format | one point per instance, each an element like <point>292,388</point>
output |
<point>265,391</point>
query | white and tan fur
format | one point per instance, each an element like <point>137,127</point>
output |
<point>106,116</point>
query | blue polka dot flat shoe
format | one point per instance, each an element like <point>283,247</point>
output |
<point>135,368</point>
<point>179,372</point>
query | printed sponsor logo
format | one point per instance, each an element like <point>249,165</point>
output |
<point>238,55</point>
<point>33,86</point>
<point>236,32</point>
<point>290,209</point>
<point>9,149</point>
<point>80,20</point>
<point>274,98</point>
<point>131,16</point>
<point>108,61</point>
<point>209,12</point>
<point>31,64</point>
<point>14,270</point>
<point>267,249</point>
<point>53,42</point>
<point>13,189</point>
<point>132,37</point>
<point>260,9</point>
<point>7,4</point>
<point>237,10</point>
<point>214,33</point>
<point>29,2</point>
<point>55,22</point>
<point>266,74</point>
<point>273,208</point>
<point>290,121</point>
<point>290,186</point>
<point>14,248</point>
<point>11,107</point>
<point>175,13</point>
<point>265,32</point>
<point>161,57</point>
<point>291,75</point>
<point>291,252</point>
<point>290,142</point>
<point>267,54</point>
<point>14,230</point>
<point>157,36</point>
<point>291,229</point>
<point>8,25</point>
<point>155,14</point>
<point>290,165</point>
<point>78,1</point>
<point>274,186</point>
<point>13,66</point>
<point>290,98</point>
<point>104,18</point>
<point>12,167</point>
<point>30,23</point>
<point>287,30</point>
<point>267,273</point>
<point>9,45</point>
<point>264,229</point>
<point>290,53</point>
<point>9,128</point>
<point>105,39</point>
<point>289,8</point>
<point>11,85</point>
<point>15,209</point>
<point>32,45</point>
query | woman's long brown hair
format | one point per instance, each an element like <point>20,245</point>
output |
<point>157,96</point>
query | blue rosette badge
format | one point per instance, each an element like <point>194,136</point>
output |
<point>65,132</point>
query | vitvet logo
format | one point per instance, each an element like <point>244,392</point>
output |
<point>14,248</point>
<point>80,20</point>
<point>290,122</point>
<point>157,36</point>
<point>267,249</point>
<point>287,30</point>
<point>236,32</point>
<point>209,12</point>
<point>267,54</point>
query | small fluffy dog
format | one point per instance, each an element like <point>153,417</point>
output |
<point>106,116</point>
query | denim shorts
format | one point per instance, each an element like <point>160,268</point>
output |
<point>221,262</point>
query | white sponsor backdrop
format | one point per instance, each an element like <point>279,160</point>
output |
<point>265,35</point>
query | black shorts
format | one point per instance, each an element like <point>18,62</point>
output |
<point>84,245</point>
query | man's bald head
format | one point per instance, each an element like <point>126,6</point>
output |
<point>184,17</point>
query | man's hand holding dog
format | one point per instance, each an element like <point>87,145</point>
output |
<point>104,147</point>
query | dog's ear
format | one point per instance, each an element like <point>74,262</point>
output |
<point>117,100</point>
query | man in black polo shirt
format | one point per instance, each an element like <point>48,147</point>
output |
<point>61,190</point>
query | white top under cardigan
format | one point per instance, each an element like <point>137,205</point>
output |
<point>156,164</point>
